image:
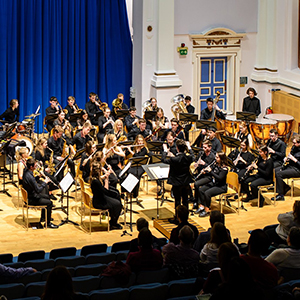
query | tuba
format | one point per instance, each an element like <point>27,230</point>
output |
<point>178,106</point>
<point>117,104</point>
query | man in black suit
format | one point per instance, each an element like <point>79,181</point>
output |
<point>92,107</point>
<point>139,130</point>
<point>277,148</point>
<point>179,174</point>
<point>190,109</point>
<point>251,103</point>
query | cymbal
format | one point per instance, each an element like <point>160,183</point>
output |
<point>32,115</point>
<point>3,121</point>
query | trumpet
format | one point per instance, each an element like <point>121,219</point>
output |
<point>39,169</point>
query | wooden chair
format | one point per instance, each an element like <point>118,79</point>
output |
<point>264,187</point>
<point>293,185</point>
<point>88,205</point>
<point>234,188</point>
<point>27,206</point>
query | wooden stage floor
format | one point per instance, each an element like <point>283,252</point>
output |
<point>15,239</point>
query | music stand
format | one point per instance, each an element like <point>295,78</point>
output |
<point>196,150</point>
<point>161,132</point>
<point>204,124</point>
<point>122,113</point>
<point>78,154</point>
<point>65,185</point>
<point>150,115</point>
<point>245,116</point>
<point>126,143</point>
<point>255,152</point>
<point>155,146</point>
<point>3,150</point>
<point>73,117</point>
<point>186,117</point>
<point>98,114</point>
<point>230,142</point>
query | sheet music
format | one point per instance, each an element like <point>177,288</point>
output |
<point>125,169</point>
<point>66,182</point>
<point>159,173</point>
<point>129,183</point>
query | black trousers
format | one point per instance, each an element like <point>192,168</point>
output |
<point>288,172</point>
<point>255,181</point>
<point>198,184</point>
<point>181,193</point>
<point>206,192</point>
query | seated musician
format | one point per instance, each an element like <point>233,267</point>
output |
<point>45,159</point>
<point>179,174</point>
<point>51,110</point>
<point>104,196</point>
<point>131,120</point>
<point>92,107</point>
<point>160,120</point>
<point>12,113</point>
<point>289,169</point>
<point>216,145</point>
<point>241,158</point>
<point>218,172</point>
<point>139,151</point>
<point>122,105</point>
<point>21,157</point>
<point>113,156</point>
<point>59,147</point>
<point>118,131</point>
<point>277,148</point>
<point>205,158</point>
<point>72,109</point>
<point>251,103</point>
<point>82,137</point>
<point>264,176</point>
<point>140,130</point>
<point>85,166</point>
<point>244,133</point>
<point>176,129</point>
<point>153,105</point>
<point>190,109</point>
<point>65,125</point>
<point>37,193</point>
<point>105,123</point>
<point>83,118</point>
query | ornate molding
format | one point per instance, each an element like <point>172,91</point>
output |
<point>217,37</point>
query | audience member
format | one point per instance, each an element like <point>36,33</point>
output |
<point>59,286</point>
<point>134,243</point>
<point>204,237</point>
<point>8,274</point>
<point>182,214</point>
<point>263,272</point>
<point>210,250</point>
<point>278,233</point>
<point>146,258</point>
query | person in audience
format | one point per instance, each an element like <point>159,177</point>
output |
<point>283,258</point>
<point>8,274</point>
<point>204,237</point>
<point>263,272</point>
<point>210,250</point>
<point>278,233</point>
<point>134,243</point>
<point>147,258</point>
<point>59,286</point>
<point>182,214</point>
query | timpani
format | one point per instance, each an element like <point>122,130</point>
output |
<point>231,125</point>
<point>260,129</point>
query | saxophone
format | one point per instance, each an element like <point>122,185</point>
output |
<point>65,149</point>
<point>50,163</point>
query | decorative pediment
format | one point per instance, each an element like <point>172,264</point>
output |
<point>217,37</point>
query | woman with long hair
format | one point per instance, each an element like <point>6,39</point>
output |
<point>21,157</point>
<point>218,173</point>
<point>90,148</point>
<point>244,134</point>
<point>105,196</point>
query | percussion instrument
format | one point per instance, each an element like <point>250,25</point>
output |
<point>285,125</point>
<point>261,128</point>
<point>21,127</point>
<point>231,125</point>
<point>28,141</point>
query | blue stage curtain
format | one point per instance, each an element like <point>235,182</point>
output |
<point>62,48</point>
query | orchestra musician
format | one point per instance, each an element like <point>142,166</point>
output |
<point>216,145</point>
<point>205,158</point>
<point>105,123</point>
<point>289,169</point>
<point>65,125</point>
<point>83,118</point>
<point>218,172</point>
<point>179,174</point>
<point>82,137</point>
<point>176,129</point>
<point>251,103</point>
<point>264,176</point>
<point>37,193</point>
<point>207,113</point>
<point>92,107</point>
<point>141,129</point>
<point>190,109</point>
<point>72,109</point>
<point>244,133</point>
<point>58,145</point>
<point>86,157</point>
<point>160,121</point>
<point>277,148</point>
<point>122,105</point>
<point>118,131</point>
<point>21,156</point>
<point>241,158</point>
<point>131,120</point>
<point>12,113</point>
<point>153,104</point>
<point>105,196</point>
<point>51,110</point>
<point>139,151</point>
<point>114,157</point>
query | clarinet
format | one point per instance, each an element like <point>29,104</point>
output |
<point>286,163</point>
<point>246,174</point>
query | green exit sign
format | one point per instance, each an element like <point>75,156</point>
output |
<point>182,50</point>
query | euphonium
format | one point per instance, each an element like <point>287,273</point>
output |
<point>179,107</point>
<point>117,104</point>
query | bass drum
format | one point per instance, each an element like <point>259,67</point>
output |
<point>19,138</point>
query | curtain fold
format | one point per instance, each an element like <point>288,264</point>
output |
<point>61,48</point>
